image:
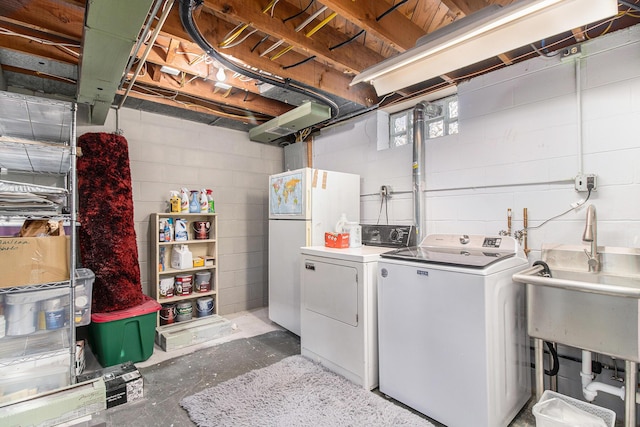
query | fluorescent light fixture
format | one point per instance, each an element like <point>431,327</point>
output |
<point>169,70</point>
<point>482,35</point>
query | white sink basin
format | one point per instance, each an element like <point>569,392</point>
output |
<point>592,311</point>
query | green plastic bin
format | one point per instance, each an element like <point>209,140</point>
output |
<point>124,335</point>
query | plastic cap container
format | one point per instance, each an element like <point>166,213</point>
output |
<point>557,410</point>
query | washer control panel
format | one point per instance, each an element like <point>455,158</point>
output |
<point>492,242</point>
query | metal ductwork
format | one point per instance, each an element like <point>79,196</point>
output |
<point>421,112</point>
<point>110,31</point>
<point>299,118</point>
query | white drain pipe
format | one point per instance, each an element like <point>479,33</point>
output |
<point>591,388</point>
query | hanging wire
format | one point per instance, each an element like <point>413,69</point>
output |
<point>264,39</point>
<point>563,213</point>
<point>299,62</point>
<point>299,13</point>
<point>238,42</point>
<point>346,42</point>
<point>233,34</point>
<point>391,9</point>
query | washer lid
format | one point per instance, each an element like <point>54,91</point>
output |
<point>464,250</point>
<point>448,256</point>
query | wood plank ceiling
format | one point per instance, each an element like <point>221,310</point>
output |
<point>316,44</point>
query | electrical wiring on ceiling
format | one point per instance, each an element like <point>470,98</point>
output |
<point>65,47</point>
<point>186,9</point>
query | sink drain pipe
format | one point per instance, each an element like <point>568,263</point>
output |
<point>626,392</point>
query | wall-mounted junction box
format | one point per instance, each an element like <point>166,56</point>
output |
<point>586,182</point>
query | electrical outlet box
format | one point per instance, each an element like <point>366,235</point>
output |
<point>570,53</point>
<point>586,182</point>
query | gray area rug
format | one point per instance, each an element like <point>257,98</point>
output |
<point>294,392</point>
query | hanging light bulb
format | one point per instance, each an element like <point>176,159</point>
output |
<point>220,75</point>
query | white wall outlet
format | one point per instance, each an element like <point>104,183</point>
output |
<point>586,182</point>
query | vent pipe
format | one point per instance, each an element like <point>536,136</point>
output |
<point>421,112</point>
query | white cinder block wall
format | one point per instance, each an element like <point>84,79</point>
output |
<point>167,153</point>
<point>518,147</point>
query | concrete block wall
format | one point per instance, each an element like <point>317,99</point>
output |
<point>168,153</point>
<point>519,147</point>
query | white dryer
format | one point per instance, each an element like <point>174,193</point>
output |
<point>338,319</point>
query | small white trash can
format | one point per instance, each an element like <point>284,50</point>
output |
<point>557,410</point>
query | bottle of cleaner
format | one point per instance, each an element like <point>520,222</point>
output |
<point>184,200</point>
<point>168,230</point>
<point>175,202</point>
<point>204,201</point>
<point>212,206</point>
<point>194,204</point>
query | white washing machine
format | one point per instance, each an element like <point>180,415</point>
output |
<point>452,329</point>
<point>338,318</point>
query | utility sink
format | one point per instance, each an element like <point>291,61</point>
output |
<point>591,311</point>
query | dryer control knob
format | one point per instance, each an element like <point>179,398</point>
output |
<point>464,239</point>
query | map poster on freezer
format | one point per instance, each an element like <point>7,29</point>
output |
<point>285,194</point>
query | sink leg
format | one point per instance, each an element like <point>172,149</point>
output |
<point>631,372</point>
<point>538,351</point>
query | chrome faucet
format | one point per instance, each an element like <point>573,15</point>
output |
<point>591,235</point>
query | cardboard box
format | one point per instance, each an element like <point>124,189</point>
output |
<point>123,383</point>
<point>336,240</point>
<point>33,260</point>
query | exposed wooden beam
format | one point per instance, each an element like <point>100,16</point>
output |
<point>64,20</point>
<point>200,106</point>
<point>352,60</point>
<point>313,73</point>
<point>394,28</point>
<point>48,51</point>
<point>207,90</point>
<point>466,7</point>
<point>38,74</point>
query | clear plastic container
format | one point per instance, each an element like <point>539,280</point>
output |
<point>83,292</point>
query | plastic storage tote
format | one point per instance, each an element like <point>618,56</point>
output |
<point>124,335</point>
<point>83,292</point>
<point>557,410</point>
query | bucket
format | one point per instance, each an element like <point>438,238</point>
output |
<point>201,229</point>
<point>54,319</point>
<point>203,281</point>
<point>204,306</point>
<point>20,318</point>
<point>166,287</point>
<point>183,311</point>
<point>167,314</point>
<point>183,284</point>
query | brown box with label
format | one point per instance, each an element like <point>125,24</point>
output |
<point>33,260</point>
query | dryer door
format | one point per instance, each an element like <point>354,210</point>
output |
<point>330,289</point>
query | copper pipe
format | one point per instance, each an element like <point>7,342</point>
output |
<point>509,222</point>
<point>525,222</point>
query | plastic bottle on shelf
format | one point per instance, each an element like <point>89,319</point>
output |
<point>184,200</point>
<point>212,206</point>
<point>194,204</point>
<point>174,202</point>
<point>204,201</point>
<point>168,230</point>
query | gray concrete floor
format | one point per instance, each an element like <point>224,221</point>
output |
<point>168,377</point>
